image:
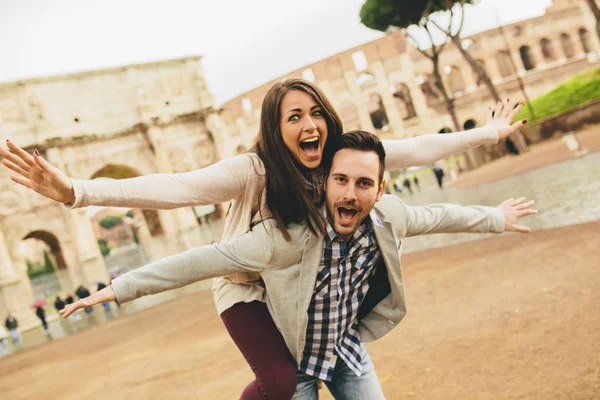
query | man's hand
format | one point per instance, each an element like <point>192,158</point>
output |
<point>514,210</point>
<point>105,295</point>
<point>501,118</point>
<point>37,174</point>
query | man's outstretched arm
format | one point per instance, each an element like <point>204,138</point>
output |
<point>452,218</point>
<point>251,252</point>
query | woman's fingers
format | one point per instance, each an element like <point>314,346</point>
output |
<point>498,110</point>
<point>489,115</point>
<point>506,109</point>
<point>12,166</point>
<point>25,156</point>
<point>22,181</point>
<point>42,163</point>
<point>514,112</point>
<point>13,158</point>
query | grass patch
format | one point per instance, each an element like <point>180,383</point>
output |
<point>580,89</point>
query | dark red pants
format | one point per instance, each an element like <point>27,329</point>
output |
<point>252,329</point>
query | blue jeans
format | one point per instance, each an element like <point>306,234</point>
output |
<point>345,385</point>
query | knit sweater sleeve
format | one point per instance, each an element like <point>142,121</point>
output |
<point>217,183</point>
<point>427,149</point>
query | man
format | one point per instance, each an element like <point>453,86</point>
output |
<point>318,286</point>
<point>13,327</point>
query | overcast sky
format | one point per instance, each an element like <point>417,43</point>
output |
<point>244,43</point>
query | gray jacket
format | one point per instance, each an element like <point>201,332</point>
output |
<point>289,268</point>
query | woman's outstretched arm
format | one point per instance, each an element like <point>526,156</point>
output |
<point>427,149</point>
<point>220,182</point>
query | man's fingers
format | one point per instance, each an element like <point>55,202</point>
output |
<point>524,213</point>
<point>521,229</point>
<point>13,158</point>
<point>525,205</point>
<point>25,156</point>
<point>12,166</point>
<point>518,201</point>
<point>22,181</point>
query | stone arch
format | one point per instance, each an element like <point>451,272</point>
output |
<point>504,65</point>
<point>586,41</point>
<point>526,57</point>
<point>445,130</point>
<point>469,124</point>
<point>547,49</point>
<point>48,283</point>
<point>113,171</point>
<point>377,112</point>
<point>404,101</point>
<point>567,45</point>
<point>456,81</point>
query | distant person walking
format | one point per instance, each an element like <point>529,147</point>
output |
<point>12,325</point>
<point>3,341</point>
<point>106,305</point>
<point>82,293</point>
<point>59,304</point>
<point>406,184</point>
<point>41,314</point>
<point>439,175</point>
<point>416,181</point>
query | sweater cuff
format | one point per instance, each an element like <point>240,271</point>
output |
<point>499,224</point>
<point>78,191</point>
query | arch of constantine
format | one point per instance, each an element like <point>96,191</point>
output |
<point>112,123</point>
<point>161,118</point>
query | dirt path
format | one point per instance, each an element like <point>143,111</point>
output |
<point>518,318</point>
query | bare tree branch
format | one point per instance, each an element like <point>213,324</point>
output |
<point>416,45</point>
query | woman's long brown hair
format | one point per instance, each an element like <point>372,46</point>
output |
<point>287,197</point>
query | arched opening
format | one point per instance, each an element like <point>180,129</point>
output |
<point>567,45</point>
<point>547,50</point>
<point>456,82</point>
<point>404,101</point>
<point>469,124</point>
<point>46,266</point>
<point>112,171</point>
<point>526,58</point>
<point>429,88</point>
<point>445,130</point>
<point>377,112</point>
<point>586,41</point>
<point>504,65</point>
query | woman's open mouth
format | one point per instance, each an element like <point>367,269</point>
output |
<point>310,147</point>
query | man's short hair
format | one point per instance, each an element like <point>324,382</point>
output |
<point>363,141</point>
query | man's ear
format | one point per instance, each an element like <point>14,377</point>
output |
<point>381,190</point>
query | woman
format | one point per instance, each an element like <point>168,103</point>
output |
<point>282,177</point>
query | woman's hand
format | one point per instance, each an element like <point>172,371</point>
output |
<point>37,174</point>
<point>501,118</point>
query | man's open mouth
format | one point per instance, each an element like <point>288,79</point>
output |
<point>310,146</point>
<point>346,214</point>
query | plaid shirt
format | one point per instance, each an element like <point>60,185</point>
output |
<point>340,288</point>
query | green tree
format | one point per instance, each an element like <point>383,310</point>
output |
<point>453,33</point>
<point>110,221</point>
<point>104,249</point>
<point>382,15</point>
<point>129,214</point>
<point>596,12</point>
<point>48,267</point>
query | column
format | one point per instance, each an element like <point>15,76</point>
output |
<point>358,98</point>
<point>387,99</point>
